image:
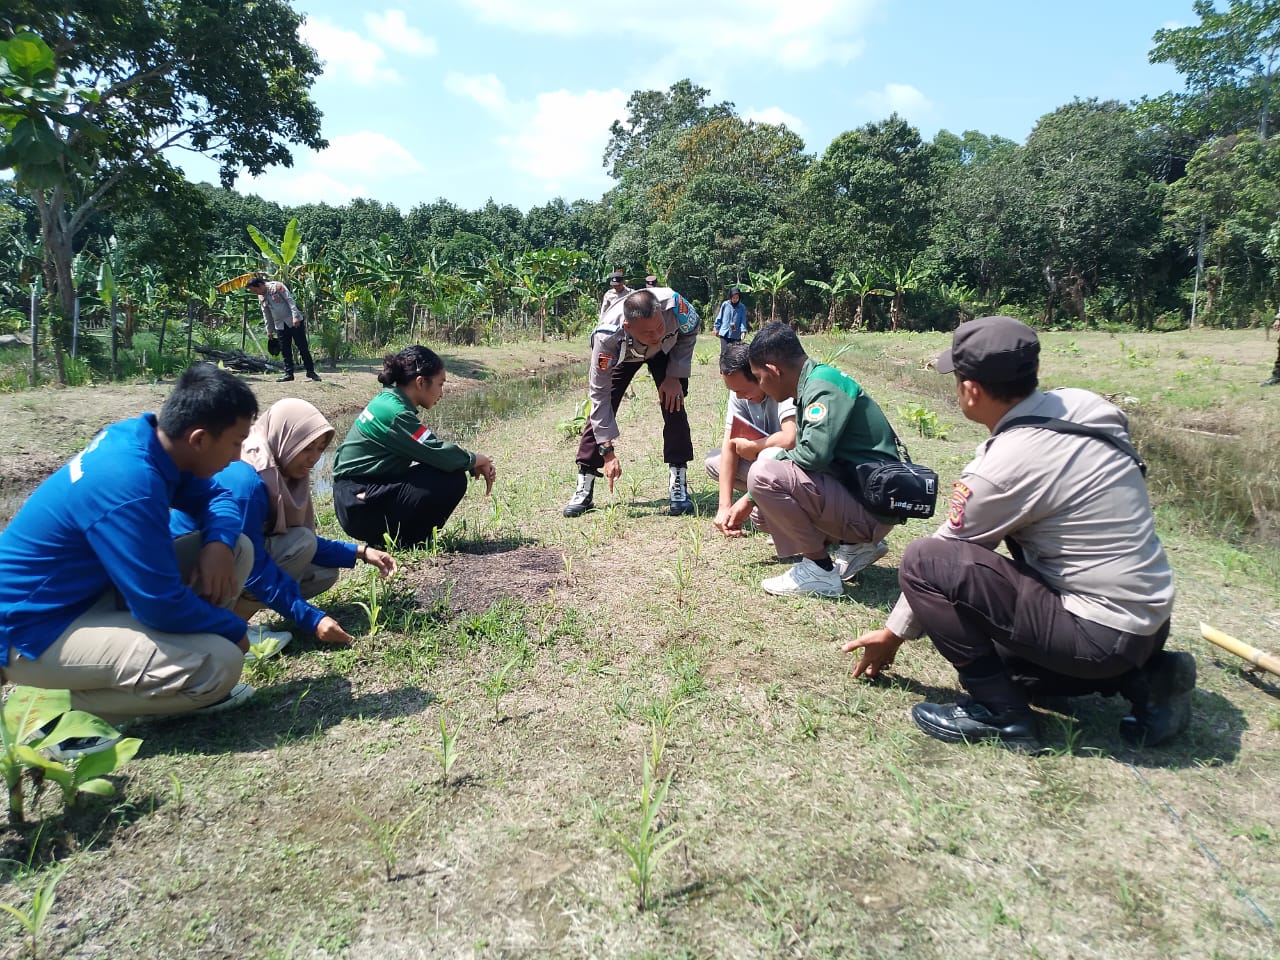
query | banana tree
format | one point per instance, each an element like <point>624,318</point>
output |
<point>900,282</point>
<point>863,286</point>
<point>543,276</point>
<point>772,284</point>
<point>834,293</point>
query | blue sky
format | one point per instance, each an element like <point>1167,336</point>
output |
<point>472,99</point>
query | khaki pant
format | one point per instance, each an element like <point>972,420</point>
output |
<point>712,463</point>
<point>116,668</point>
<point>293,551</point>
<point>806,511</point>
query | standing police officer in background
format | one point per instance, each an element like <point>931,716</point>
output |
<point>284,322</point>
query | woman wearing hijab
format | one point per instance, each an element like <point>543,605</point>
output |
<point>392,476</point>
<point>272,482</point>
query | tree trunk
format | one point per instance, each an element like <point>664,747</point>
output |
<point>895,311</point>
<point>115,342</point>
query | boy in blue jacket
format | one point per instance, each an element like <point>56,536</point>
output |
<point>95,596</point>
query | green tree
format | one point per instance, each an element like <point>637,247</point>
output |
<point>1229,60</point>
<point>1232,188</point>
<point>870,196</point>
<point>228,80</point>
<point>1095,202</point>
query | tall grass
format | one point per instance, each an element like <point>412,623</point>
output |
<point>1223,474</point>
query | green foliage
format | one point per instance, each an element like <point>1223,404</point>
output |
<point>571,428</point>
<point>385,837</point>
<point>447,752</point>
<point>26,710</point>
<point>647,839</point>
<point>33,918</point>
<point>924,420</point>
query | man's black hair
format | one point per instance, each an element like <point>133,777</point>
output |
<point>208,398</point>
<point>639,306</point>
<point>1010,390</point>
<point>735,357</point>
<point>778,344</point>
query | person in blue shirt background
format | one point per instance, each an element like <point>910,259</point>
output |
<point>97,598</point>
<point>731,321</point>
<point>271,483</point>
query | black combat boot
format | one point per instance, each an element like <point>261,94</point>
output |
<point>1161,696</point>
<point>996,709</point>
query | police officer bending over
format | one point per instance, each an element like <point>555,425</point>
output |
<point>1084,604</point>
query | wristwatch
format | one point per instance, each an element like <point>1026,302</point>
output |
<point>605,449</point>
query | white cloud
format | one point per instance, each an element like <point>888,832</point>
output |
<point>292,187</point>
<point>557,137</point>
<point>485,89</point>
<point>392,30</point>
<point>347,55</point>
<point>355,165</point>
<point>367,152</point>
<point>900,98</point>
<point>776,116</point>
<point>563,136</point>
<point>795,35</point>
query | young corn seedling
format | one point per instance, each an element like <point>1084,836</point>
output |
<point>372,604</point>
<point>498,684</point>
<point>32,919</point>
<point>385,837</point>
<point>648,841</point>
<point>447,753</point>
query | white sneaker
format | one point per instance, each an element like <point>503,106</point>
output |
<point>850,559</point>
<point>806,578</point>
<point>264,643</point>
<point>239,694</point>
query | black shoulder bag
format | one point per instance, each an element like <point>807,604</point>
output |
<point>897,490</point>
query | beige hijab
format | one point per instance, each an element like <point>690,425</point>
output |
<point>287,428</point>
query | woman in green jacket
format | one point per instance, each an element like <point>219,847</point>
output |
<point>392,475</point>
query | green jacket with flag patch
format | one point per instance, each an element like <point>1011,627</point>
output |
<point>388,438</point>
<point>838,425</point>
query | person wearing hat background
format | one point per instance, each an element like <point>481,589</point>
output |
<point>285,323</point>
<point>617,290</point>
<point>731,321</point>
<point>1084,604</point>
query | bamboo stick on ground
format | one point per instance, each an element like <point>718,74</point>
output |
<point>1259,658</point>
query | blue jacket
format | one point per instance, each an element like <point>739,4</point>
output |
<point>267,581</point>
<point>102,520</point>
<point>731,321</point>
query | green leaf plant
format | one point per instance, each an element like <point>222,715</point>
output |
<point>25,712</point>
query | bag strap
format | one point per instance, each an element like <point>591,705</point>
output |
<point>1079,429</point>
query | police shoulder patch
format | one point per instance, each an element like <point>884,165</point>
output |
<point>604,361</point>
<point>815,412</point>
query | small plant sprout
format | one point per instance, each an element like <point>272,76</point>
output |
<point>385,837</point>
<point>681,574</point>
<point>32,919</point>
<point>447,753</point>
<point>499,683</point>
<point>924,420</point>
<point>648,840</point>
<point>372,604</point>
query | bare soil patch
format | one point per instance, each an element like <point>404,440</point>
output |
<point>470,583</point>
